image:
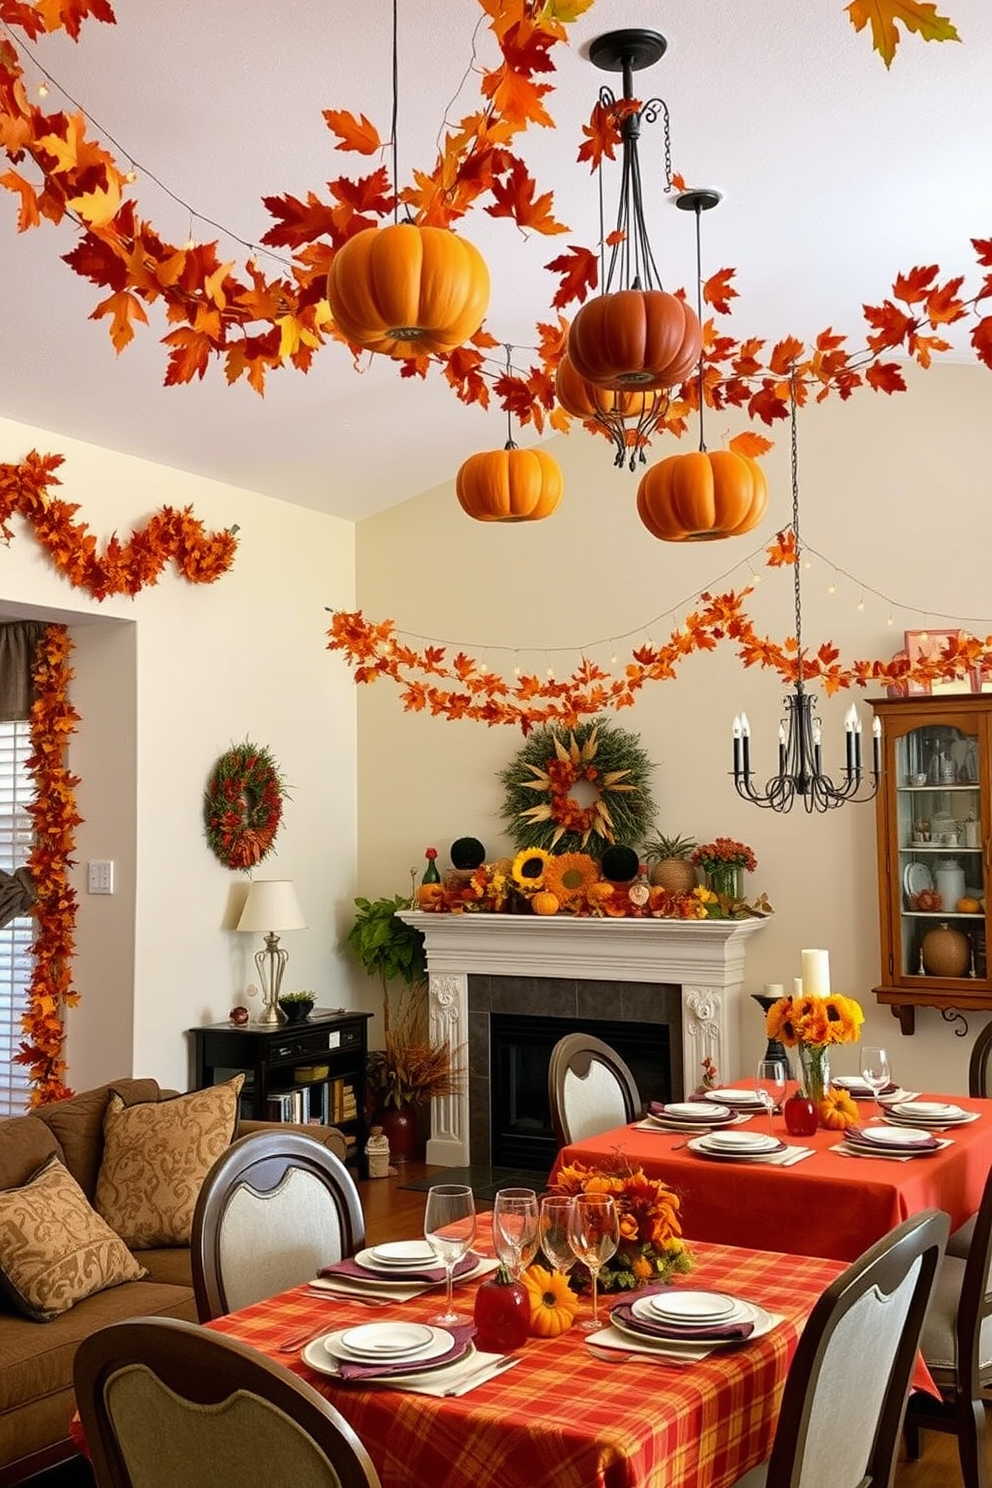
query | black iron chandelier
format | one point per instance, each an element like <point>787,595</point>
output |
<point>800,750</point>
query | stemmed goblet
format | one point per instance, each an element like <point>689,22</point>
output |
<point>515,1228</point>
<point>593,1234</point>
<point>449,1228</point>
<point>769,1085</point>
<point>553,1231</point>
<point>875,1071</point>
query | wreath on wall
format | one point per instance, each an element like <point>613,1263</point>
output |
<point>242,805</point>
<point>611,770</point>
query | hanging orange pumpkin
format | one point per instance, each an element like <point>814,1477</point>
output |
<point>690,498</point>
<point>509,485</point>
<point>405,290</point>
<point>586,400</point>
<point>635,338</point>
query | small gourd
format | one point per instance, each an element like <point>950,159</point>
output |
<point>544,902</point>
<point>553,1304</point>
<point>837,1110</point>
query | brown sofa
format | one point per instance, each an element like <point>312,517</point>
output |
<point>36,1399</point>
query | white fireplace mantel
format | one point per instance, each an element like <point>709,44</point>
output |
<point>703,957</point>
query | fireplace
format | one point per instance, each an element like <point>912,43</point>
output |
<point>577,972</point>
<point>518,1130</point>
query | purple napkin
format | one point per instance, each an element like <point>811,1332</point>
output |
<point>868,1144</point>
<point>861,1091</point>
<point>462,1333</point>
<point>431,1276</point>
<point>652,1328</point>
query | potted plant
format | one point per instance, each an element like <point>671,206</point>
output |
<point>409,1069</point>
<point>669,861</point>
<point>296,1005</point>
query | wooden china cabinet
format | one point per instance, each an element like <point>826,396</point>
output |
<point>934,811</point>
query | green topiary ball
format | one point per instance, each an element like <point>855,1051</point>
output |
<point>467,852</point>
<point>619,864</point>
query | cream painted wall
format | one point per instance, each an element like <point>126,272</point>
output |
<point>165,683</point>
<point>895,510</point>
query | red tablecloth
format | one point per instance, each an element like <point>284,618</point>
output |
<point>563,1418</point>
<point>827,1205</point>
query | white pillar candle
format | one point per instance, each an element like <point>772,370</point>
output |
<point>797,986</point>
<point>816,973</point>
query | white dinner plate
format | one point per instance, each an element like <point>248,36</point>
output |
<point>386,1339</point>
<point>697,1111</point>
<point>915,878</point>
<point>686,1307</point>
<point>437,1343</point>
<point>737,1098</point>
<point>742,1141</point>
<point>927,1110</point>
<point>707,1148</point>
<point>750,1312</point>
<point>316,1355</point>
<point>892,1136</point>
<point>404,1253</point>
<point>368,1260</point>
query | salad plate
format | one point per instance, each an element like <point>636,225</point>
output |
<point>687,1307</point>
<point>370,1350</point>
<point>404,1253</point>
<point>319,1359</point>
<point>749,1312</point>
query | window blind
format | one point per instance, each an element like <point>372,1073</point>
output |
<point>16,792</point>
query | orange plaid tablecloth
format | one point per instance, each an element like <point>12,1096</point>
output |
<point>563,1418</point>
<point>824,1206</point>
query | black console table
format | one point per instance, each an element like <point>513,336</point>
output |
<point>311,1071</point>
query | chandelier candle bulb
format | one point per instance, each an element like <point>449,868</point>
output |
<point>816,973</point>
<point>737,743</point>
<point>746,741</point>
<point>783,739</point>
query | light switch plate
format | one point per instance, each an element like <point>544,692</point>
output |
<point>100,876</point>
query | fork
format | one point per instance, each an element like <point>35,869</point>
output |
<point>614,1356</point>
<point>295,1341</point>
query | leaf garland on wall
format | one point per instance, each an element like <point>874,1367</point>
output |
<point>54,820</point>
<point>252,324</point>
<point>122,568</point>
<point>462,687</point>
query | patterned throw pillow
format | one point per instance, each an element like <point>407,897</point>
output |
<point>54,1248</point>
<point>155,1158</point>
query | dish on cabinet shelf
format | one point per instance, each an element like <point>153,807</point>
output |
<point>916,877</point>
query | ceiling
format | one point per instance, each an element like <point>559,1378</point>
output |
<point>836,175</point>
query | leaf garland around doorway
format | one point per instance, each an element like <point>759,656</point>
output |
<point>242,805</point>
<point>610,769</point>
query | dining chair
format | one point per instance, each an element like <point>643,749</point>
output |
<point>979,1086</point>
<point>273,1209</point>
<point>845,1394</point>
<point>957,1347</point>
<point>163,1402</point>
<point>590,1089</point>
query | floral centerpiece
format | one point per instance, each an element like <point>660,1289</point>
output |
<point>725,860</point>
<point>651,1247</point>
<point>812,1024</point>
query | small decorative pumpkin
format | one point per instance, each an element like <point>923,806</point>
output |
<point>553,1304</point>
<point>509,485</point>
<point>544,902</point>
<point>635,338</point>
<point>837,1110</point>
<point>968,905</point>
<point>406,290</point>
<point>430,895</point>
<point>702,495</point>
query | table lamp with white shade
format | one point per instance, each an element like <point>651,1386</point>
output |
<point>271,907</point>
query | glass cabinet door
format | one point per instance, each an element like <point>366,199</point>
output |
<point>941,876</point>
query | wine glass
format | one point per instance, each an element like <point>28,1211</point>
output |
<point>875,1071</point>
<point>449,1228</point>
<point>515,1227</point>
<point>769,1084</point>
<point>553,1231</point>
<point>593,1234</point>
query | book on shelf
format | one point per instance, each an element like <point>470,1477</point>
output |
<point>286,1105</point>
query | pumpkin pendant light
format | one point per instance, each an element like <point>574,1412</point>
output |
<point>511,484</point>
<point>628,417</point>
<point>405,290</point>
<point>700,496</point>
<point>633,335</point>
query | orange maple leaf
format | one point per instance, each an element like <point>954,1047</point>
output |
<point>981,340</point>
<point>602,136</point>
<point>515,198</point>
<point>718,290</point>
<point>882,16</point>
<point>885,377</point>
<point>750,443</point>
<point>27,215</point>
<point>579,270</point>
<point>359,135</point>
<point>123,307</point>
<point>783,550</point>
<point>943,306</point>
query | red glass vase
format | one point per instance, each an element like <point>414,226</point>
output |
<point>801,1117</point>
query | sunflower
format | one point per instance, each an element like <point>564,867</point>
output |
<point>529,866</point>
<point>570,876</point>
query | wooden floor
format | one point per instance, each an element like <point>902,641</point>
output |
<point>393,1212</point>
